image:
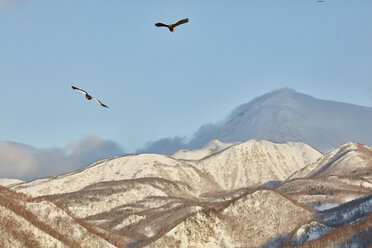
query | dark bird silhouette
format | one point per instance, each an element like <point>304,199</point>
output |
<point>172,26</point>
<point>87,96</point>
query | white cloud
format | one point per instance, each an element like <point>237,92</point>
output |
<point>25,162</point>
<point>16,159</point>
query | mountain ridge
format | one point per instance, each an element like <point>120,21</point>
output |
<point>207,199</point>
<point>199,171</point>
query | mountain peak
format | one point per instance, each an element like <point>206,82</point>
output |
<point>284,91</point>
<point>282,97</point>
<point>287,115</point>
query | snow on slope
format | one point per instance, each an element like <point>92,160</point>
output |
<point>325,192</point>
<point>210,148</point>
<point>8,182</point>
<point>30,223</point>
<point>251,221</point>
<point>58,219</point>
<point>309,231</point>
<point>243,165</point>
<point>21,233</point>
<point>347,212</point>
<point>120,168</point>
<point>350,160</point>
<point>340,176</point>
<point>134,194</point>
<point>340,219</point>
<point>256,162</point>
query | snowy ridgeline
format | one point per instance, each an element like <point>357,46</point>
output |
<point>224,167</point>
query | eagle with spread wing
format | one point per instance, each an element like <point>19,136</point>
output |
<point>87,96</point>
<point>172,26</point>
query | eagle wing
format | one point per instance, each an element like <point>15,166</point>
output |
<point>159,24</point>
<point>103,105</point>
<point>77,89</point>
<point>180,22</point>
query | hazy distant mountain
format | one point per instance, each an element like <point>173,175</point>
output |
<point>280,116</point>
<point>216,196</point>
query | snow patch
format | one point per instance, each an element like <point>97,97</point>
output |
<point>9,182</point>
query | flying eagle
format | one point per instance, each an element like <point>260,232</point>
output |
<point>87,96</point>
<point>172,26</point>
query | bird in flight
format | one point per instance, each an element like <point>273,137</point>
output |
<point>172,26</point>
<point>87,96</point>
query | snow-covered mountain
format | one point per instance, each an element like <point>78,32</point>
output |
<point>286,115</point>
<point>350,160</point>
<point>240,165</point>
<point>216,196</point>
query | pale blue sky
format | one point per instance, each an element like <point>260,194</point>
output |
<point>159,84</point>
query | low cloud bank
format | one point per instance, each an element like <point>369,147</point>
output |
<point>171,145</point>
<point>164,145</point>
<point>25,162</point>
